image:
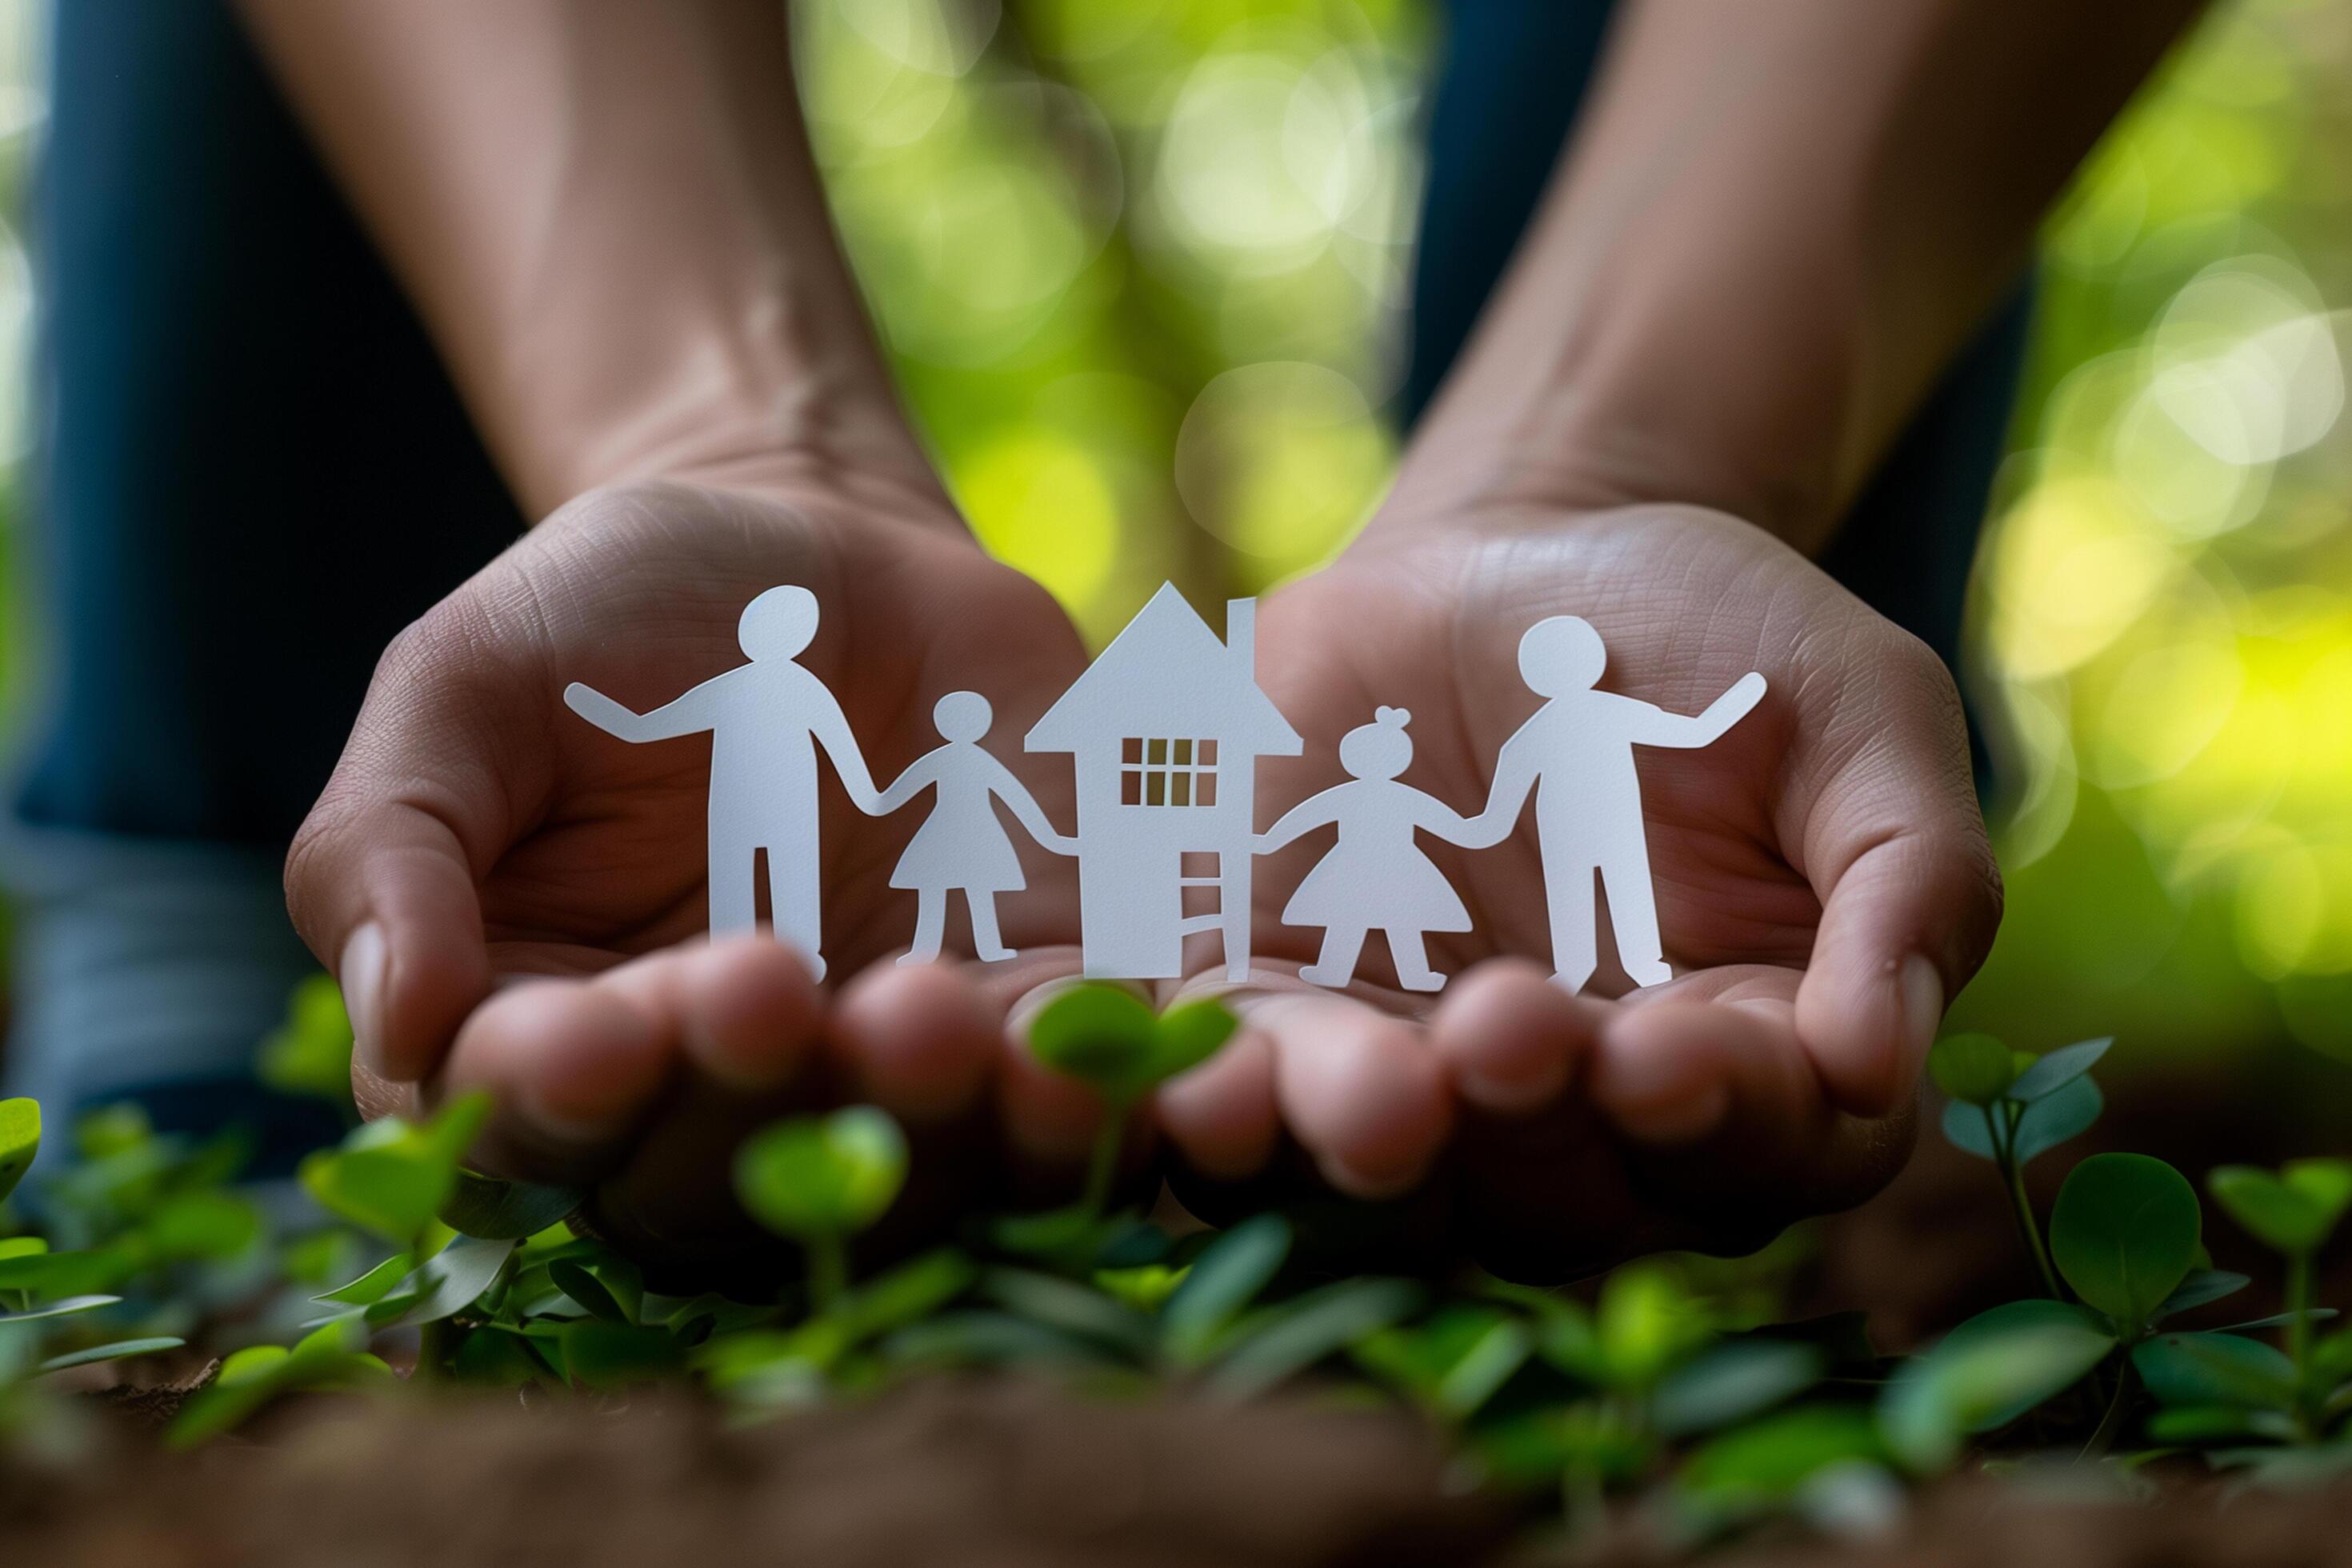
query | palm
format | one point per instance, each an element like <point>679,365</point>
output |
<point>609,855</point>
<point>1705,1111</point>
<point>586,856</point>
<point>1435,630</point>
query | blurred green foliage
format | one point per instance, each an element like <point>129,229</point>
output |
<point>2164,601</point>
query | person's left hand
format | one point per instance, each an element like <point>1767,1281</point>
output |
<point>1825,886</point>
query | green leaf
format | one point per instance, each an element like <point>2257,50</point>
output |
<point>2214,1424</point>
<point>1971,1070</point>
<point>1732,1383</point>
<point>1286,1340</point>
<point>1986,1374</point>
<point>2214,1369</point>
<point>1224,1279</point>
<point>1772,1459</point>
<point>772,1367</point>
<point>823,1176</point>
<point>1103,1035</point>
<point>496,1210</point>
<point>252,1377</point>
<point>1188,1035</point>
<point>115,1352</point>
<point>912,1291</point>
<point>1647,1325</point>
<point>370,1286</point>
<point>2060,1068</point>
<point>391,1177</point>
<point>1068,1307</point>
<point>20,1140</point>
<point>310,1052</point>
<point>202,1224</point>
<point>65,1273</point>
<point>450,1282</point>
<point>2203,1287</point>
<point>1452,1364</point>
<point>498,1357</point>
<point>2294,1211</point>
<point>2047,1122</point>
<point>987,1339</point>
<point>2124,1233</point>
<point>611,1287</point>
<point>2275,1320</point>
<point>612,1356</point>
<point>70,1307</point>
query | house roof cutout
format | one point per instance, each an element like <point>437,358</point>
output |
<point>1166,674</point>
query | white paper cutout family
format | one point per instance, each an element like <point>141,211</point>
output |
<point>1165,728</point>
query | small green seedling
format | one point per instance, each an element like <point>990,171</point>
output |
<point>391,1178</point>
<point>1110,1040</point>
<point>2294,1211</point>
<point>818,1180</point>
<point>1648,1365</point>
<point>2009,1106</point>
<point>2124,1236</point>
<point>328,1357</point>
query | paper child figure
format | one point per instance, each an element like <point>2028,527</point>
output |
<point>762,717</point>
<point>1375,878</point>
<point>961,846</point>
<point>1576,756</point>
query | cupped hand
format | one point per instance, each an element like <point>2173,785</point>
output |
<point>514,898</point>
<point>1822,878</point>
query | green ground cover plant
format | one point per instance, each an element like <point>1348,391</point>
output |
<point>1675,1383</point>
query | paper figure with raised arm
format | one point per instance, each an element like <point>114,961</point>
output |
<point>1375,878</point>
<point>1575,756</point>
<point>961,846</point>
<point>766,719</point>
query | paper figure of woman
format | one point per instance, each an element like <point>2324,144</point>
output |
<point>962,845</point>
<point>1375,878</point>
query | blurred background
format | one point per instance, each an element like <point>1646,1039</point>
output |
<point>1137,260</point>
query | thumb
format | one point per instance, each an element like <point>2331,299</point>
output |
<point>1895,849</point>
<point>380,882</point>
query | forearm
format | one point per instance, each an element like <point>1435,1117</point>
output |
<point>1777,225</point>
<point>608,215</point>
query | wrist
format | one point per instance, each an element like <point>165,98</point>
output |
<point>1641,397</point>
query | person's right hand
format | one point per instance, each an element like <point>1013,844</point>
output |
<point>1821,874</point>
<point>507,893</point>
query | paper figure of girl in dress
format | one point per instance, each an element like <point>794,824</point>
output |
<point>1375,878</point>
<point>962,846</point>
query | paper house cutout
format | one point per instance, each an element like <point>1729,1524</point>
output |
<point>1165,728</point>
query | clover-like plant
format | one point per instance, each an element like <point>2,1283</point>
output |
<point>2009,1106</point>
<point>1110,1040</point>
<point>2292,1211</point>
<point>2124,1237</point>
<point>820,1180</point>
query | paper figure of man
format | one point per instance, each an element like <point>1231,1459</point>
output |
<point>1575,756</point>
<point>766,719</point>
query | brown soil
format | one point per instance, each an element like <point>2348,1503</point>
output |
<point>990,1475</point>
<point>971,1475</point>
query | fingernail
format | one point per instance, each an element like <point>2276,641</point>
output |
<point>1923,1008</point>
<point>361,974</point>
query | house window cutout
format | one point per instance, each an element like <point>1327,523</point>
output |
<point>1166,771</point>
